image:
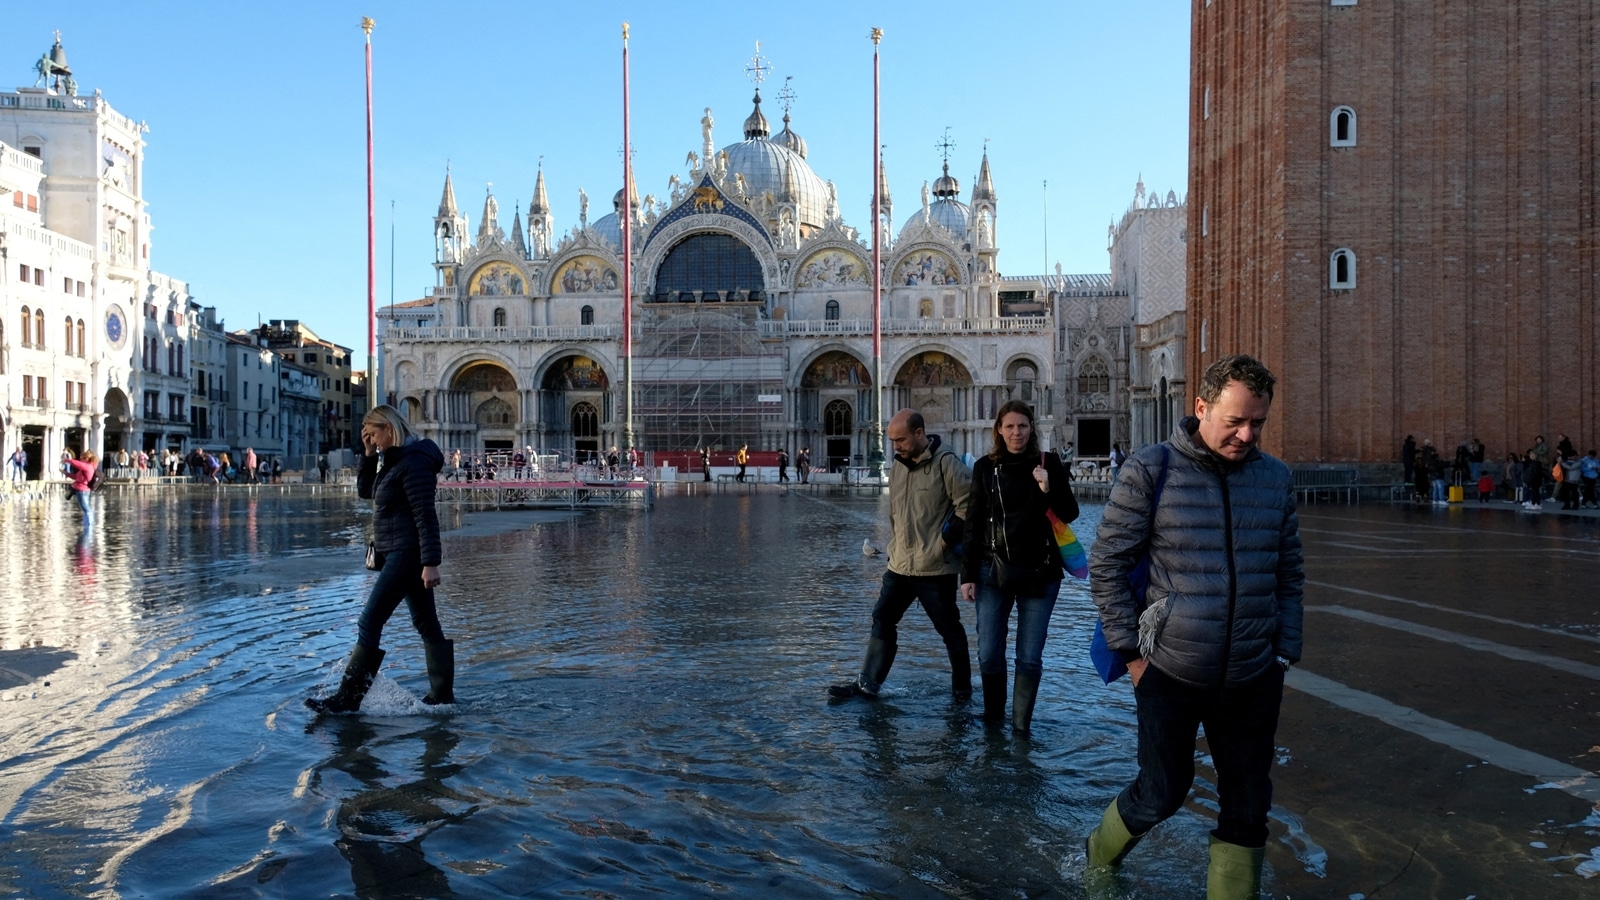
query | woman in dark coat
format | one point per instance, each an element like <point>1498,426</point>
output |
<point>1012,487</point>
<point>399,474</point>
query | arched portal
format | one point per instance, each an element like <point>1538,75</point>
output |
<point>574,402</point>
<point>480,386</point>
<point>118,428</point>
<point>832,387</point>
<point>938,385</point>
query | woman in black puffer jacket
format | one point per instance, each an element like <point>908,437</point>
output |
<point>399,474</point>
<point>1012,487</point>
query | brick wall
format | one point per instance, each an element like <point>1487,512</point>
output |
<point>1468,199</point>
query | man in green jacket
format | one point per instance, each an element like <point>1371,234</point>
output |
<point>926,482</point>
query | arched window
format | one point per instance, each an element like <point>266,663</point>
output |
<point>67,347</point>
<point>1342,127</point>
<point>494,412</point>
<point>83,349</point>
<point>1024,378</point>
<point>585,420</point>
<point>705,267</point>
<point>38,326</point>
<point>831,311</point>
<point>180,361</point>
<point>27,327</point>
<point>1342,269</point>
<point>837,419</point>
<point>499,317</point>
<point>1094,377</point>
<point>586,315</point>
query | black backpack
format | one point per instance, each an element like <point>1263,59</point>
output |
<point>98,479</point>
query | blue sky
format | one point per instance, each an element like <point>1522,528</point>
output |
<point>255,165</point>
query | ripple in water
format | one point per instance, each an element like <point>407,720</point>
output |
<point>642,711</point>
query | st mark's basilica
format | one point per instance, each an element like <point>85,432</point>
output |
<point>752,317</point>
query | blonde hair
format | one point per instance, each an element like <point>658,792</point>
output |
<point>384,414</point>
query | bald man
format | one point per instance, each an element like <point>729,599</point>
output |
<point>926,482</point>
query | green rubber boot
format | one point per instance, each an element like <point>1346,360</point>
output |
<point>1111,840</point>
<point>1235,871</point>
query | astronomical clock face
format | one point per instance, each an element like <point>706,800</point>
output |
<point>116,327</point>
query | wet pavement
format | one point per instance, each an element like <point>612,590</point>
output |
<point>643,712</point>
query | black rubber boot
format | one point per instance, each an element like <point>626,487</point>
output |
<point>874,671</point>
<point>358,675</point>
<point>960,673</point>
<point>1023,693</point>
<point>441,658</point>
<point>994,699</point>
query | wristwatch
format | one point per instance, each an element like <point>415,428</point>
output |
<point>1284,661</point>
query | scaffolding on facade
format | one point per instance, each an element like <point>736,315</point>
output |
<point>704,378</point>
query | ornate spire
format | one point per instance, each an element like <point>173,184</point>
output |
<point>883,186</point>
<point>756,70</point>
<point>489,228</point>
<point>756,126</point>
<point>447,203</point>
<point>787,137</point>
<point>541,201</point>
<point>983,189</point>
<point>517,243</point>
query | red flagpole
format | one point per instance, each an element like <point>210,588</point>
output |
<point>372,272</point>
<point>875,452</point>
<point>627,256</point>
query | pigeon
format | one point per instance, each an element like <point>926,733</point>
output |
<point>867,549</point>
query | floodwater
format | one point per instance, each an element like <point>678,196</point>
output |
<point>642,712</point>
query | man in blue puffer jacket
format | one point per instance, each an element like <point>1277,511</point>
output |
<point>1221,623</point>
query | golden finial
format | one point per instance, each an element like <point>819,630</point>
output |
<point>877,35</point>
<point>366,25</point>
<point>624,32</point>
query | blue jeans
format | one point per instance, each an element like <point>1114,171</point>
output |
<point>399,579</point>
<point>83,504</point>
<point>1033,624</point>
<point>1240,722</point>
<point>1438,490</point>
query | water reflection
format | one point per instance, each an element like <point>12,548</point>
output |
<point>643,711</point>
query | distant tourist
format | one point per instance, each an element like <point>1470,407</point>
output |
<point>1591,476</point>
<point>399,475</point>
<point>1569,472</point>
<point>322,468</point>
<point>1533,470</point>
<point>705,462</point>
<point>803,464</point>
<point>19,465</point>
<point>742,458</point>
<point>81,471</point>
<point>783,465</point>
<point>1408,459</point>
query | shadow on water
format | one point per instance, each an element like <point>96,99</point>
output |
<point>642,712</point>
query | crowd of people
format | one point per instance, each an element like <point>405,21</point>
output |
<point>1529,477</point>
<point>199,465</point>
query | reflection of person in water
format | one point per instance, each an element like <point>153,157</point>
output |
<point>382,825</point>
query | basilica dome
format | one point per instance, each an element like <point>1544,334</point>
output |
<point>609,227</point>
<point>770,165</point>
<point>946,210</point>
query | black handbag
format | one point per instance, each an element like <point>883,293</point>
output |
<point>374,557</point>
